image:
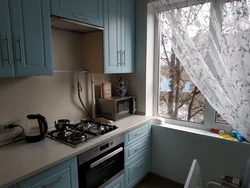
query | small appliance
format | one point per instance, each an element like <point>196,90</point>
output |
<point>37,128</point>
<point>117,107</point>
<point>102,164</point>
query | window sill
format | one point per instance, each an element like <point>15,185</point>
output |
<point>161,123</point>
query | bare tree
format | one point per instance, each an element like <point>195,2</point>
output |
<point>175,103</point>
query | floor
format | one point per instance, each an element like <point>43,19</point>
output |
<point>154,181</point>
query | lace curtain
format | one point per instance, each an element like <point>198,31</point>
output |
<point>212,42</point>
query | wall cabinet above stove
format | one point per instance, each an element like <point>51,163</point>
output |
<point>25,34</point>
<point>86,11</point>
<point>112,51</point>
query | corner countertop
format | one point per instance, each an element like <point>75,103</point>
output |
<point>22,160</point>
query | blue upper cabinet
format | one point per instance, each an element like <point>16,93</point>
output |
<point>31,31</point>
<point>112,36</point>
<point>119,36</point>
<point>86,11</point>
<point>6,53</point>
<point>128,30</point>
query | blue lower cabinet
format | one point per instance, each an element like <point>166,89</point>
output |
<point>118,183</point>
<point>137,154</point>
<point>137,168</point>
<point>64,175</point>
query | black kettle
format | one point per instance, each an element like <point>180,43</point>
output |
<point>37,127</point>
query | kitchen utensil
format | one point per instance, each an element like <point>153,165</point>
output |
<point>62,124</point>
<point>37,127</point>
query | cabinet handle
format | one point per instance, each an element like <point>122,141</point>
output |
<point>136,134</point>
<point>8,49</point>
<point>79,16</point>
<point>20,49</point>
<point>119,57</point>
<point>52,183</point>
<point>123,52</point>
<point>138,166</point>
<point>139,148</point>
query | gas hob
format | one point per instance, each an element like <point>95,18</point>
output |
<point>78,134</point>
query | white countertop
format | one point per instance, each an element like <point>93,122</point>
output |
<point>22,160</point>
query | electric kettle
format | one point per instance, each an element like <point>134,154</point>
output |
<point>37,127</point>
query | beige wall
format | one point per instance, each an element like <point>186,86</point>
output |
<point>54,96</point>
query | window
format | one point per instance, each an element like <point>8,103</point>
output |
<point>179,98</point>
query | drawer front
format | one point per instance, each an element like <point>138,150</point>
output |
<point>63,175</point>
<point>134,150</point>
<point>137,168</point>
<point>137,133</point>
<point>61,179</point>
<point>118,183</point>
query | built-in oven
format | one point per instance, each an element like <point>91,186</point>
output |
<point>100,165</point>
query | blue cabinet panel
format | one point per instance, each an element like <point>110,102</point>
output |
<point>118,36</point>
<point>87,11</point>
<point>137,168</point>
<point>137,134</point>
<point>137,154</point>
<point>138,147</point>
<point>112,37</point>
<point>31,37</point>
<point>63,175</point>
<point>118,183</point>
<point>128,30</point>
<point>6,53</point>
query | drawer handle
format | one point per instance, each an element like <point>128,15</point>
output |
<point>139,166</point>
<point>20,48</point>
<point>139,147</point>
<point>79,16</point>
<point>139,133</point>
<point>8,49</point>
<point>52,183</point>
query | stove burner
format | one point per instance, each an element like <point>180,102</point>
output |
<point>77,137</point>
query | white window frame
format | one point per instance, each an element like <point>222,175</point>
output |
<point>209,113</point>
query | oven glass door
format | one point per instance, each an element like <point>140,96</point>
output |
<point>97,171</point>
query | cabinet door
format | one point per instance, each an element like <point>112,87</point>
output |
<point>127,35</point>
<point>62,176</point>
<point>6,55</point>
<point>112,37</point>
<point>31,37</point>
<point>87,11</point>
<point>118,183</point>
<point>137,168</point>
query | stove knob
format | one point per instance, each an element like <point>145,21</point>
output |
<point>111,143</point>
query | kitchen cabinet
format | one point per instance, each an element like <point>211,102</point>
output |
<point>118,183</point>
<point>119,36</point>
<point>25,38</point>
<point>6,53</point>
<point>64,175</point>
<point>137,154</point>
<point>86,11</point>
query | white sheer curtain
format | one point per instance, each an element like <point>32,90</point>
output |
<point>212,42</point>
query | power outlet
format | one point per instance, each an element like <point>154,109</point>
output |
<point>5,129</point>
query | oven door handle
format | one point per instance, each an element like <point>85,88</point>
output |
<point>94,164</point>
